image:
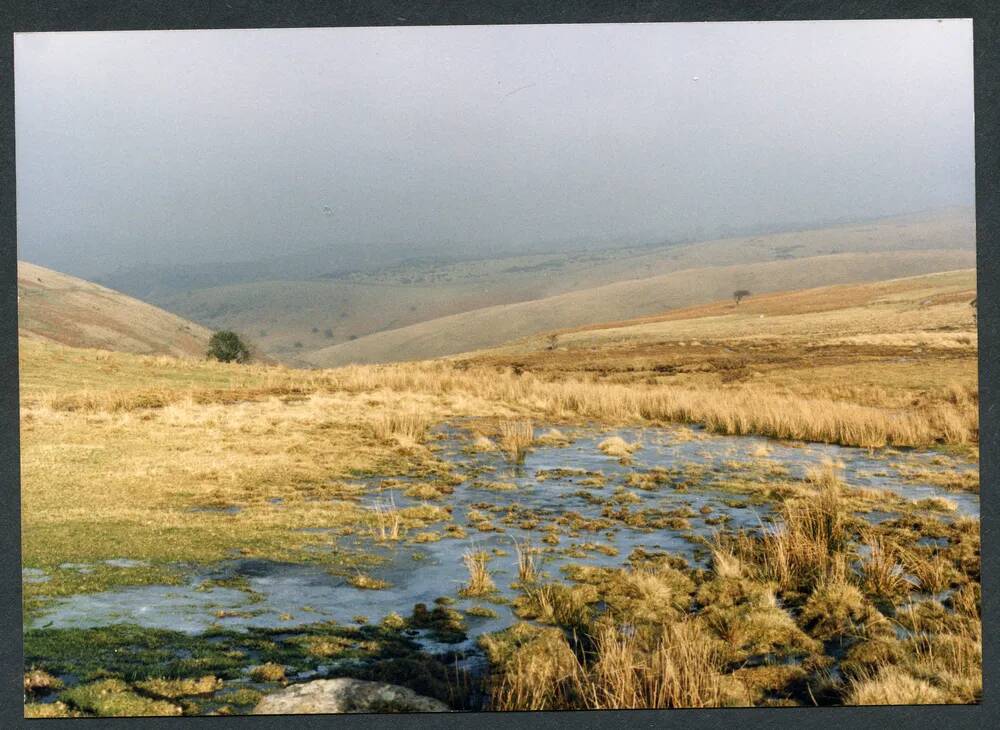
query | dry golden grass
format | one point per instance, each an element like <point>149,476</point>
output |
<point>516,438</point>
<point>404,429</point>
<point>38,681</point>
<point>173,460</point>
<point>480,581</point>
<point>892,686</point>
<point>882,572</point>
<point>55,307</point>
<point>654,635</point>
<point>745,409</point>
<point>482,443</point>
<point>682,668</point>
<point>804,547</point>
<point>367,582</point>
<point>268,672</point>
<point>527,572</point>
<point>617,446</point>
<point>387,523</point>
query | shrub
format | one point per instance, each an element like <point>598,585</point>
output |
<point>226,346</point>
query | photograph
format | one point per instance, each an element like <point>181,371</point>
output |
<point>494,368</point>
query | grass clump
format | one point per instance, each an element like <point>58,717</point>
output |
<point>400,428</point>
<point>618,447</point>
<point>48,709</point>
<point>516,438</point>
<point>553,437</point>
<point>527,572</point>
<point>891,685</point>
<point>882,574</point>
<point>172,689</point>
<point>423,491</point>
<point>367,582</point>
<point>386,522</point>
<point>482,443</point>
<point>427,536</point>
<point>114,698</point>
<point>244,696</point>
<point>268,672</point>
<point>480,581</point>
<point>678,666</point>
<point>481,612</point>
<point>39,682</point>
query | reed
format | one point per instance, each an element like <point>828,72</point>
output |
<point>516,438</point>
<point>480,581</point>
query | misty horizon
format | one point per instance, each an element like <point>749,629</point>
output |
<point>149,150</point>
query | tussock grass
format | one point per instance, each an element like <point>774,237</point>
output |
<point>806,546</point>
<point>268,672</point>
<point>367,582</point>
<point>386,522</point>
<point>38,681</point>
<point>482,443</point>
<point>553,437</point>
<point>619,447</point>
<point>680,667</point>
<point>480,581</point>
<point>892,686</point>
<point>934,573</point>
<point>882,573</point>
<point>172,689</point>
<point>554,603</point>
<point>114,698</point>
<point>825,415</point>
<point>401,428</point>
<point>516,438</point>
<point>527,572</point>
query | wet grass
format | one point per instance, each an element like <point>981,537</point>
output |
<point>193,464</point>
<point>806,610</point>
<point>126,669</point>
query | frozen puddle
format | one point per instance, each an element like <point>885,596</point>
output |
<point>551,483</point>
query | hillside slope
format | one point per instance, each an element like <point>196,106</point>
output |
<point>491,326</point>
<point>55,307</point>
<point>907,316</point>
<point>291,317</point>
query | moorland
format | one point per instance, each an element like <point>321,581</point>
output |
<point>767,502</point>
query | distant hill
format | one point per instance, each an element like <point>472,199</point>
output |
<point>54,307</point>
<point>491,326</point>
<point>930,311</point>
<point>295,317</point>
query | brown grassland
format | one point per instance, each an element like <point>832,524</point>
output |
<point>140,457</point>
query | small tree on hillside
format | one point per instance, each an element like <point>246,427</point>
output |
<point>226,346</point>
<point>740,294</point>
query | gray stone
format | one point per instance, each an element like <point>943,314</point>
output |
<point>345,695</point>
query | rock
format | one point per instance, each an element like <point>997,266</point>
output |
<point>345,695</point>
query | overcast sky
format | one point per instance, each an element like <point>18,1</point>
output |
<point>152,148</point>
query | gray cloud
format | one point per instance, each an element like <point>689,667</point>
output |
<point>159,148</point>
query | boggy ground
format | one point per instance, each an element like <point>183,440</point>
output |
<point>141,471</point>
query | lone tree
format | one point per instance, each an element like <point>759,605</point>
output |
<point>740,294</point>
<point>226,346</point>
<point>552,341</point>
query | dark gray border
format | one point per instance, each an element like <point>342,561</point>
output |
<point>62,15</point>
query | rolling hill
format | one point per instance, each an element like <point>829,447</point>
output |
<point>300,319</point>
<point>55,307</point>
<point>920,313</point>
<point>491,326</point>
